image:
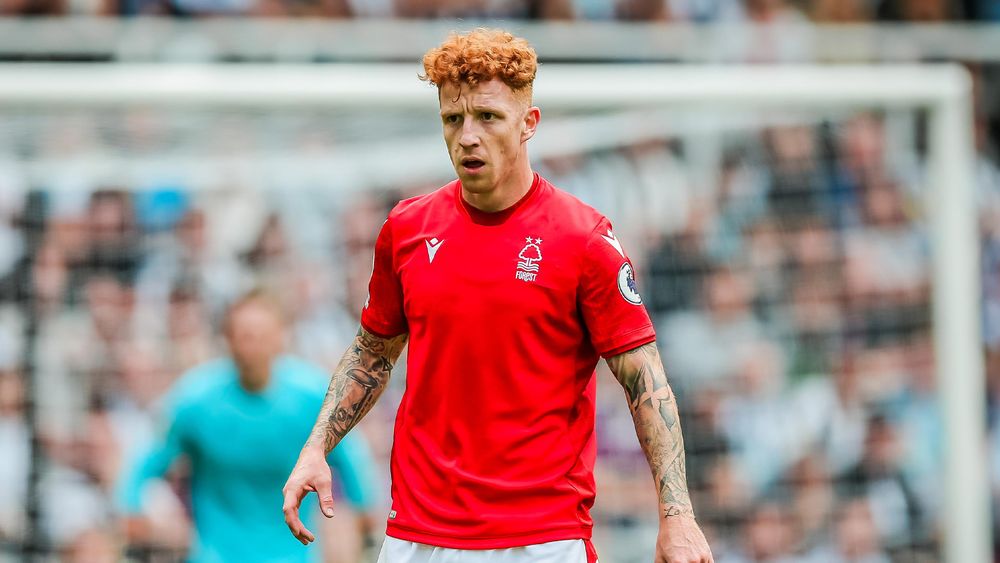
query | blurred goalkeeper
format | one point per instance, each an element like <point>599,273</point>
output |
<point>509,291</point>
<point>240,421</point>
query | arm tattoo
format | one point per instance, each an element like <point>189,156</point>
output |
<point>357,382</point>
<point>657,424</point>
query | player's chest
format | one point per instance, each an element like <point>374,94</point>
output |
<point>500,272</point>
<point>234,437</point>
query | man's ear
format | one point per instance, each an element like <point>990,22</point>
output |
<point>530,123</point>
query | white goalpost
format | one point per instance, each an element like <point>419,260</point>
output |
<point>942,91</point>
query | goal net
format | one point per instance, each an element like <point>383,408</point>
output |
<point>804,238</point>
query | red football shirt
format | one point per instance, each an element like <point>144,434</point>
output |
<point>508,314</point>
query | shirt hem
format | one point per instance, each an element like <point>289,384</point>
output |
<point>628,341</point>
<point>379,332</point>
<point>496,542</point>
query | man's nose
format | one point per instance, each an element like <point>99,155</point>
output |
<point>470,134</point>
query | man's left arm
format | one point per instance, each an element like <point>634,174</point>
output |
<point>657,424</point>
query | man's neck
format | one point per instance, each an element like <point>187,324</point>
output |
<point>254,378</point>
<point>509,192</point>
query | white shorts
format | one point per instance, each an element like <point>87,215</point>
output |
<point>563,551</point>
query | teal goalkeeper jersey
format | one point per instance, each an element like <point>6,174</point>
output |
<point>241,447</point>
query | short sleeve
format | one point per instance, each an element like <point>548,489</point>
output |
<point>383,311</point>
<point>608,296</point>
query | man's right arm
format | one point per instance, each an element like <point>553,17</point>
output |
<point>357,382</point>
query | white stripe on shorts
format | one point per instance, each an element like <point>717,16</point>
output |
<point>563,551</point>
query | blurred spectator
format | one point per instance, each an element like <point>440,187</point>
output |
<point>878,479</point>
<point>287,8</point>
<point>12,205</point>
<point>923,11</point>
<point>323,327</point>
<point>768,537</point>
<point>677,267</point>
<point>75,353</point>
<point>187,259</point>
<point>993,414</point>
<point>704,435</point>
<point>841,11</point>
<point>535,9</point>
<point>741,204</point>
<point>855,537</point>
<point>757,416</point>
<point>798,185</point>
<point>76,484</point>
<point>357,229</point>
<point>15,447</point>
<point>642,10</point>
<point>814,317</point>
<point>893,251</point>
<point>830,413</point>
<point>861,161</point>
<point>659,196</point>
<point>887,270</point>
<point>724,499</point>
<point>189,340</point>
<point>703,11</point>
<point>272,260</point>
<point>920,423</point>
<point>812,500</point>
<point>113,244</point>
<point>765,257</point>
<point>990,237</point>
<point>31,7</point>
<point>778,33</point>
<point>50,278</point>
<point>727,322</point>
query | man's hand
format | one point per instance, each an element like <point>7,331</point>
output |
<point>137,529</point>
<point>680,541</point>
<point>311,474</point>
<point>356,384</point>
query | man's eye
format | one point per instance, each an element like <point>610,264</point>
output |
<point>487,116</point>
<point>451,119</point>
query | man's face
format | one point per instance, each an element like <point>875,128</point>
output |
<point>484,128</point>
<point>255,335</point>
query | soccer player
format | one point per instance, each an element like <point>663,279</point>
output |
<point>240,422</point>
<point>508,291</point>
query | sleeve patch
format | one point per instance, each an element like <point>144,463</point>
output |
<point>627,286</point>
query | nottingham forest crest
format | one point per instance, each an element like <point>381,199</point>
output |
<point>528,259</point>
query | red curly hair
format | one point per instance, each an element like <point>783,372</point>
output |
<point>480,56</point>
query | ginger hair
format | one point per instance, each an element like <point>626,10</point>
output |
<point>480,56</point>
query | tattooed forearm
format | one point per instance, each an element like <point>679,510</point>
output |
<point>654,411</point>
<point>356,384</point>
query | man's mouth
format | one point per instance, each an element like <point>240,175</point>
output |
<point>472,164</point>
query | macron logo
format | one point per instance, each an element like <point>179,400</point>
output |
<point>610,237</point>
<point>432,247</point>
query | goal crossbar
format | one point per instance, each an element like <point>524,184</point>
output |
<point>397,85</point>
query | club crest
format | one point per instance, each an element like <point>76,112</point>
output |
<point>528,259</point>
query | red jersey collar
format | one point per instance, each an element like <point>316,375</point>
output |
<point>481,217</point>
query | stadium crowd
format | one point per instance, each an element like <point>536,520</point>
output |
<point>760,11</point>
<point>788,281</point>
